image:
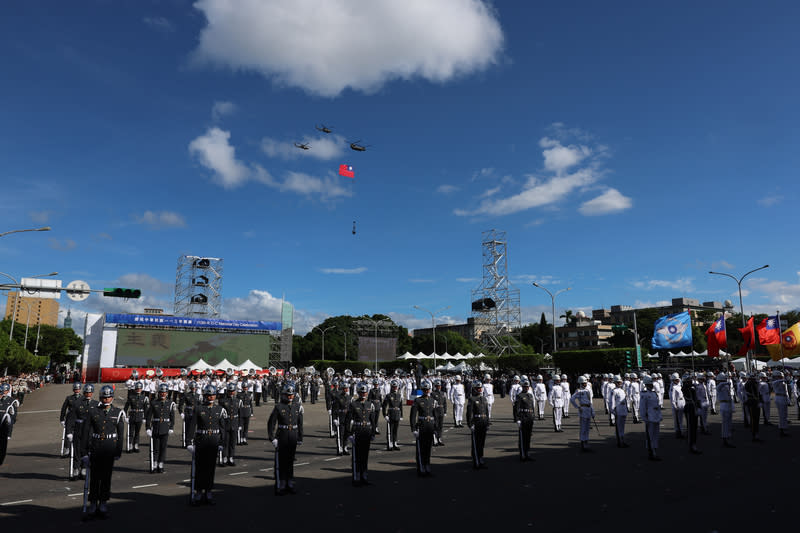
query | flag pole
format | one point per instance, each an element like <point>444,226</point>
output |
<point>778,317</point>
<point>689,312</point>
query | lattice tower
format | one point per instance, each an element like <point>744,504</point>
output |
<point>495,303</point>
<point>198,286</point>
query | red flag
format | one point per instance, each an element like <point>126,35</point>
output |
<point>769,331</point>
<point>749,338</point>
<point>346,171</point>
<point>717,337</point>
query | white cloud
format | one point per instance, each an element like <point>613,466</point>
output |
<point>323,147</point>
<point>467,280</point>
<point>769,201</point>
<point>40,217</point>
<point>215,152</point>
<point>683,285</point>
<point>222,109</point>
<point>418,280</point>
<point>358,270</point>
<point>611,201</point>
<point>446,189</point>
<point>148,284</point>
<point>301,183</point>
<point>558,158</point>
<point>327,47</point>
<point>161,219</point>
<point>68,244</point>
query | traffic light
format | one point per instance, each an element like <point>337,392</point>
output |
<point>118,292</point>
<point>628,359</point>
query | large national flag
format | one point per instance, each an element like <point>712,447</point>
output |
<point>717,337</point>
<point>769,331</point>
<point>749,338</point>
<point>789,345</point>
<point>672,331</point>
<point>347,171</point>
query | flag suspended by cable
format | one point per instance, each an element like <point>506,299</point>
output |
<point>346,171</point>
<point>717,337</point>
<point>672,331</point>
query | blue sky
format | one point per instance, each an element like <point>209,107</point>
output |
<point>626,149</point>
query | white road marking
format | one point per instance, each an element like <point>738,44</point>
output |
<point>145,486</point>
<point>35,412</point>
<point>265,469</point>
<point>186,480</point>
<point>237,473</point>
<point>16,502</point>
<point>76,494</point>
<point>333,459</point>
<point>301,464</point>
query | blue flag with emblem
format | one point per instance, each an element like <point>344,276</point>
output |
<point>672,331</point>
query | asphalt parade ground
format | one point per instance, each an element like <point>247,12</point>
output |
<point>751,486</point>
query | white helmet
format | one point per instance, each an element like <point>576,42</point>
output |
<point>722,376</point>
<point>675,376</point>
<point>556,378</point>
<point>539,378</point>
<point>647,381</point>
<point>710,374</point>
<point>777,374</point>
<point>762,374</point>
<point>581,380</point>
<point>617,378</point>
<point>564,377</point>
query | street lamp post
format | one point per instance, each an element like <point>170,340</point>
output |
<point>433,329</point>
<point>27,323</point>
<point>741,304</point>
<point>323,337</point>
<point>541,344</point>
<point>445,343</point>
<point>46,228</point>
<point>553,302</point>
<point>19,291</point>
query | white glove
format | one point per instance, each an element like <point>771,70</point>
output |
<point>63,424</point>
<point>336,422</point>
<point>219,448</point>
<point>519,423</point>
<point>387,418</point>
<point>472,428</point>
<point>149,432</point>
<point>171,431</point>
<point>183,416</point>
<point>329,411</point>
<point>416,434</point>
<point>275,443</point>
<point>190,448</point>
<point>401,419</point>
<point>69,437</point>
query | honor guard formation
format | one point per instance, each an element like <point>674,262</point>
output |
<point>212,412</point>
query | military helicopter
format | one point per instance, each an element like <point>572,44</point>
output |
<point>302,146</point>
<point>358,147</point>
<point>323,128</point>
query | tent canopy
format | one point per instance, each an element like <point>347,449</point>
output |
<point>248,365</point>
<point>200,364</point>
<point>223,365</point>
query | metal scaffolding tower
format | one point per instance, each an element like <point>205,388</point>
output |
<point>198,287</point>
<point>495,303</point>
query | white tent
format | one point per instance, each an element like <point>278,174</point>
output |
<point>248,365</point>
<point>790,363</point>
<point>420,355</point>
<point>200,364</point>
<point>223,365</point>
<point>460,367</point>
<point>445,356</point>
<point>458,355</point>
<point>407,355</point>
<point>741,363</point>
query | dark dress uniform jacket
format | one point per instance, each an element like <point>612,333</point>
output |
<point>209,421</point>
<point>393,406</point>
<point>161,416</point>
<point>136,407</point>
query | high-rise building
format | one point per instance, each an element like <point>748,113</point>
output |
<point>41,310</point>
<point>68,320</point>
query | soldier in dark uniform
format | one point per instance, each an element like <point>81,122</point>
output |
<point>186,405</point>
<point>209,421</point>
<point>330,394</point>
<point>67,406</point>
<point>392,409</point>
<point>374,396</point>
<point>285,431</point>
<point>75,432</point>
<point>102,429</point>
<point>245,411</point>
<point>135,407</point>
<point>523,416</point>
<point>688,387</point>
<point>341,403</point>
<point>423,426</point>
<point>478,422</point>
<point>160,425</point>
<point>358,425</point>
<point>314,388</point>
<point>440,411</point>
<point>753,403</point>
<point>8,416</point>
<point>231,428</point>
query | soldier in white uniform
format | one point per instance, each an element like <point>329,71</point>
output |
<point>711,385</point>
<point>742,394</point>
<point>457,398</point>
<point>651,414</point>
<point>619,406</point>
<point>567,394</point>
<point>766,398</point>
<point>540,395</point>
<point>515,389</point>
<point>582,401</point>
<point>607,395</point>
<point>604,391</point>
<point>634,394</point>
<point>702,397</point>
<point>678,403</point>
<point>488,392</point>
<point>556,399</point>
<point>723,388</point>
<point>781,402</point>
<point>658,387</point>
